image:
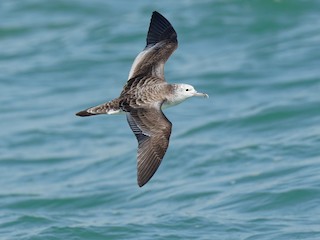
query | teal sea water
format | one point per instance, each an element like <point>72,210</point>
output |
<point>243,164</point>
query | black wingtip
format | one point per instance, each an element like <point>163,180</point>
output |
<point>160,29</point>
<point>141,183</point>
<point>84,113</point>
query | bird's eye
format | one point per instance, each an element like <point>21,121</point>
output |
<point>187,89</point>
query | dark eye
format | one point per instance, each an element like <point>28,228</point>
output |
<point>187,89</point>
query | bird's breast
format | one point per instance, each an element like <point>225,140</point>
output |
<point>170,103</point>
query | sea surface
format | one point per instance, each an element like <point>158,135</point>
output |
<point>243,164</point>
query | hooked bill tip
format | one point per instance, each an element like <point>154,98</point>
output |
<point>201,95</point>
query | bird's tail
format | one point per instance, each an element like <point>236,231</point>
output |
<point>111,107</point>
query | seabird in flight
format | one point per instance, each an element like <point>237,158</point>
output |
<point>144,96</point>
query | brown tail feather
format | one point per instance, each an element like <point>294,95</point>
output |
<point>104,108</point>
<point>84,113</point>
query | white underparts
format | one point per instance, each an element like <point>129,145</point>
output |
<point>115,112</point>
<point>167,104</point>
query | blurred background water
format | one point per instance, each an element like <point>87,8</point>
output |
<point>243,164</point>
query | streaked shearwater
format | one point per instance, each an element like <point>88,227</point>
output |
<point>144,96</point>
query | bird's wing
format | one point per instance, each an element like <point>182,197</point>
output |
<point>152,130</point>
<point>161,42</point>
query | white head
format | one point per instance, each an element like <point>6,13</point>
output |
<point>186,91</point>
<point>181,93</point>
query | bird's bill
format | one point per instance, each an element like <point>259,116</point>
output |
<point>197,94</point>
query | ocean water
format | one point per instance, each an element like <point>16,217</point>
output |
<point>243,164</point>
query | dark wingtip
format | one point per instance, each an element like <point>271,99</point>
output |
<point>143,180</point>
<point>160,29</point>
<point>84,113</point>
<point>141,184</point>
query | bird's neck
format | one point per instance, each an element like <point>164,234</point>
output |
<point>173,98</point>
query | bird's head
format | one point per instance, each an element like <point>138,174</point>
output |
<point>186,91</point>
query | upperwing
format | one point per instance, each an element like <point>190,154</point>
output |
<point>161,43</point>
